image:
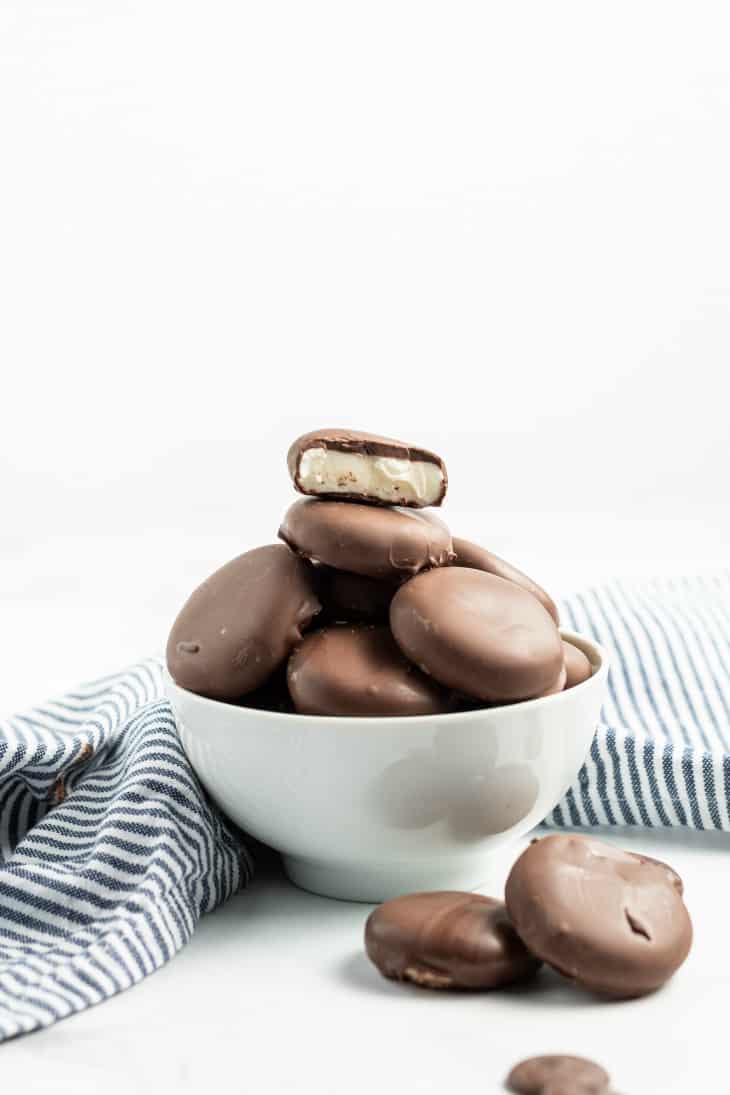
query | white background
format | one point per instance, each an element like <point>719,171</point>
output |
<point>501,230</point>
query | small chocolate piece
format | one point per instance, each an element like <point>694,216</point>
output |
<point>365,467</point>
<point>613,921</point>
<point>478,558</point>
<point>447,940</point>
<point>477,634</point>
<point>241,623</point>
<point>352,598</point>
<point>558,684</point>
<point>558,1073</point>
<point>359,671</point>
<point>578,667</point>
<point>369,540</point>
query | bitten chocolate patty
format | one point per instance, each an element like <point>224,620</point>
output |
<point>376,541</point>
<point>365,467</point>
<point>360,671</point>
<point>612,921</point>
<point>241,623</point>
<point>447,940</point>
<point>477,633</point>
<point>478,558</point>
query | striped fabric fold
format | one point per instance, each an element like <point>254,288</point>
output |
<point>661,755</point>
<point>109,850</point>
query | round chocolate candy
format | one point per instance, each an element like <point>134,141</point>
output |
<point>577,666</point>
<point>241,623</point>
<point>352,598</point>
<point>478,634</point>
<point>478,558</point>
<point>364,539</point>
<point>558,1073</point>
<point>359,671</point>
<point>612,921</point>
<point>447,940</point>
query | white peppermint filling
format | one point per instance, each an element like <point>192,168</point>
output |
<point>386,478</point>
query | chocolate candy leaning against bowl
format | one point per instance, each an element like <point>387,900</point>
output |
<point>478,634</point>
<point>359,671</point>
<point>610,920</point>
<point>447,940</point>
<point>360,466</point>
<point>577,666</point>
<point>478,558</point>
<point>376,541</point>
<point>243,621</point>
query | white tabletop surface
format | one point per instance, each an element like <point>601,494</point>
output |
<point>499,230</point>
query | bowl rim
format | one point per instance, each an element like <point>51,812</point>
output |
<point>594,651</point>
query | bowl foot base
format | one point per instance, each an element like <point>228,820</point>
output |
<point>375,882</point>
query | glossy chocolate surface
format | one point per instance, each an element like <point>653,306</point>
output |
<point>610,920</point>
<point>447,940</point>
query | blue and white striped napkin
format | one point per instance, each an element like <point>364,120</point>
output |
<point>661,755</point>
<point>111,852</point>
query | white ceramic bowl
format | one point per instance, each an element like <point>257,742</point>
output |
<point>365,809</point>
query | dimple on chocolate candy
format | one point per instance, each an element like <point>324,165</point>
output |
<point>477,634</point>
<point>359,671</point>
<point>478,558</point>
<point>610,920</point>
<point>577,666</point>
<point>558,1074</point>
<point>241,623</point>
<point>447,940</point>
<point>364,467</point>
<point>376,541</point>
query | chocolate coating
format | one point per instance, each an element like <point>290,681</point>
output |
<point>577,666</point>
<point>478,634</point>
<point>478,558</point>
<point>353,598</point>
<point>612,921</point>
<point>558,684</point>
<point>358,443</point>
<point>359,671</point>
<point>376,541</point>
<point>447,940</point>
<point>241,623</point>
<point>559,1074</point>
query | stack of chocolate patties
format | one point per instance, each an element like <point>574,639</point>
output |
<point>369,607</point>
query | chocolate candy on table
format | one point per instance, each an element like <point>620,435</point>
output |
<point>447,940</point>
<point>241,623</point>
<point>376,541</point>
<point>359,671</point>
<point>350,597</point>
<point>577,665</point>
<point>610,920</point>
<point>477,634</point>
<point>364,467</point>
<point>478,558</point>
<point>558,1074</point>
